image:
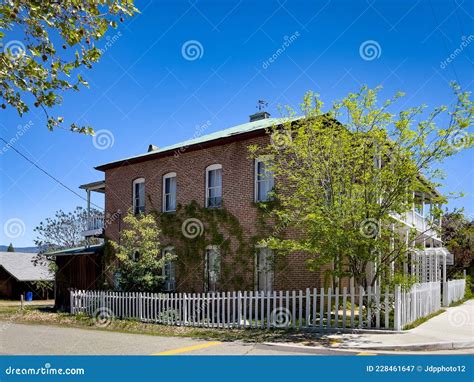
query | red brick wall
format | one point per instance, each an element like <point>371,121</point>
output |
<point>238,196</point>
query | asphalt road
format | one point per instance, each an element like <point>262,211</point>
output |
<point>52,340</point>
<point>24,339</point>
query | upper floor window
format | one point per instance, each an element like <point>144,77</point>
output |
<point>214,186</point>
<point>212,268</point>
<point>264,181</point>
<point>169,192</point>
<point>139,196</point>
<point>169,271</point>
<point>264,269</point>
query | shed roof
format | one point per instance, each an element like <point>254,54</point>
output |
<point>85,250</point>
<point>20,265</point>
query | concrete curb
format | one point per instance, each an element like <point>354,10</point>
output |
<point>408,347</point>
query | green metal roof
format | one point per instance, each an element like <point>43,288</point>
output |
<point>91,249</point>
<point>231,131</point>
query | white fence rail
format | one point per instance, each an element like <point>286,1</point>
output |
<point>453,290</point>
<point>316,308</point>
<point>420,301</point>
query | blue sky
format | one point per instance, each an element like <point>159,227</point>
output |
<point>145,90</point>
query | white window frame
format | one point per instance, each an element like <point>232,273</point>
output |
<point>169,249</point>
<point>210,168</point>
<point>256,181</point>
<point>270,271</point>
<point>206,268</point>
<point>134,183</point>
<point>168,176</point>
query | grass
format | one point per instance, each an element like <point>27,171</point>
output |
<point>45,315</point>
<point>422,320</point>
<point>460,302</point>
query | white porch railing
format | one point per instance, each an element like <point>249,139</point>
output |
<point>453,290</point>
<point>419,222</point>
<point>95,223</point>
<point>420,301</point>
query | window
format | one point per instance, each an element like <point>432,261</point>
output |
<point>264,181</point>
<point>169,192</point>
<point>139,196</point>
<point>169,271</point>
<point>264,269</point>
<point>212,268</point>
<point>214,186</point>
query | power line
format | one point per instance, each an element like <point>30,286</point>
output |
<point>47,173</point>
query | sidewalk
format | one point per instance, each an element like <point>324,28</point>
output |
<point>453,329</point>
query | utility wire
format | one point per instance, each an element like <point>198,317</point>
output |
<point>47,173</point>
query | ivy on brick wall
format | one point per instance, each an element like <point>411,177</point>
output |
<point>192,228</point>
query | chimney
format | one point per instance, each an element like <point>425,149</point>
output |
<point>259,115</point>
<point>152,148</point>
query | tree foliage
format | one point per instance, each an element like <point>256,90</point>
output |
<point>458,236</point>
<point>343,174</point>
<point>64,230</point>
<point>10,248</point>
<point>138,253</point>
<point>45,44</point>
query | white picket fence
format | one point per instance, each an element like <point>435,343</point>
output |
<point>316,308</point>
<point>351,308</point>
<point>420,301</point>
<point>453,290</point>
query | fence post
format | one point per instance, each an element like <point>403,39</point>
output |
<point>102,300</point>
<point>71,302</point>
<point>397,309</point>
<point>140,305</point>
<point>445,293</point>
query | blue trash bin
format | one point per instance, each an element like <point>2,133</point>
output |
<point>29,296</point>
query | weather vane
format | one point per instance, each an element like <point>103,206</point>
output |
<point>261,104</point>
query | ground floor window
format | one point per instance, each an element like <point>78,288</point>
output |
<point>264,264</point>
<point>212,268</point>
<point>169,272</point>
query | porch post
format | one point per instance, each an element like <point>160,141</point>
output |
<point>88,204</point>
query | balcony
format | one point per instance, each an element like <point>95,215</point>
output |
<point>427,227</point>
<point>95,227</point>
<point>95,222</point>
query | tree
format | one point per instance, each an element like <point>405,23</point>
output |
<point>57,40</point>
<point>458,236</point>
<point>342,174</point>
<point>64,230</point>
<point>10,248</point>
<point>138,253</point>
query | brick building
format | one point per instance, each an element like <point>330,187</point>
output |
<point>208,193</point>
<point>213,172</point>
